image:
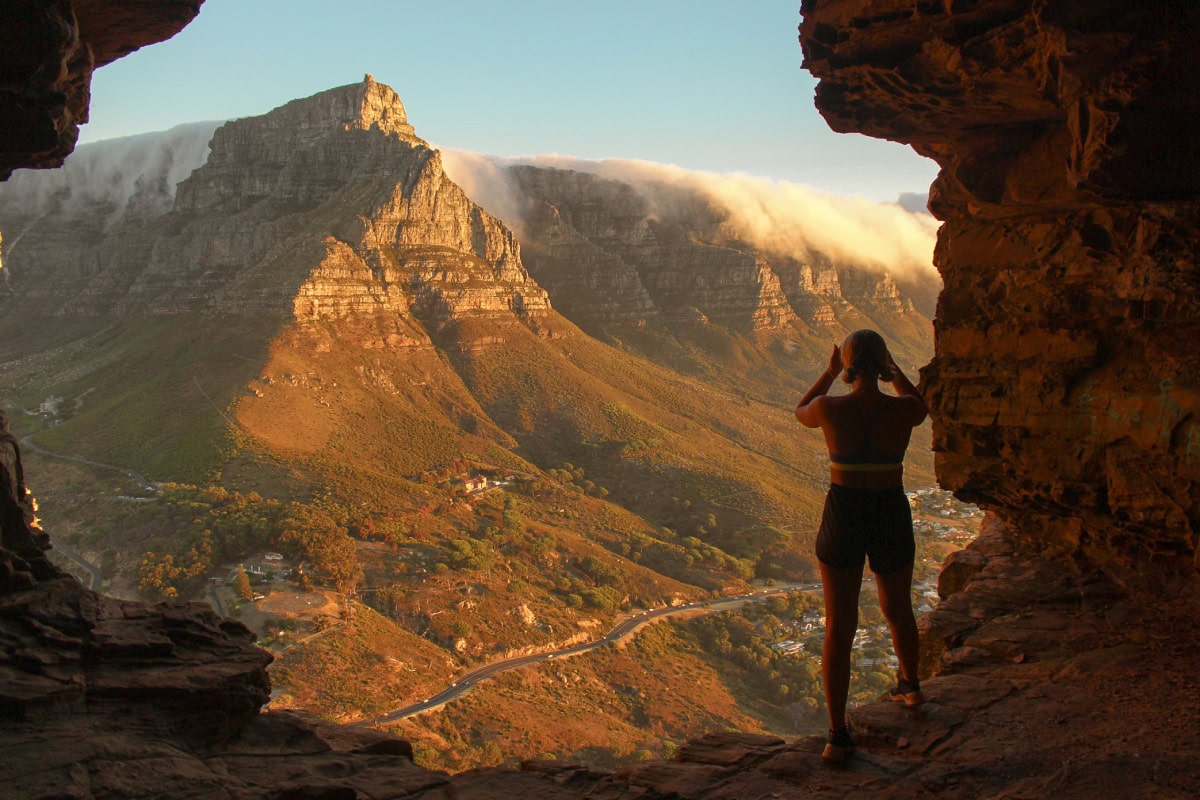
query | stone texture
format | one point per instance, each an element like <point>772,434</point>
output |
<point>614,254</point>
<point>67,649</point>
<point>50,49</point>
<point>326,208</point>
<point>1065,384</point>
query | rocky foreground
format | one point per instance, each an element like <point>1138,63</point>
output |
<point>1050,683</point>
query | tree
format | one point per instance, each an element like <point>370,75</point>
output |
<point>316,537</point>
<point>241,584</point>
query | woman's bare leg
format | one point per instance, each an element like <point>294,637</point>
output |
<point>895,598</point>
<point>841,623</point>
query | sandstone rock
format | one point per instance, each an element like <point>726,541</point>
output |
<point>1061,390</point>
<point>728,749</point>
<point>614,254</point>
<point>958,568</point>
<point>180,667</point>
<point>50,51</point>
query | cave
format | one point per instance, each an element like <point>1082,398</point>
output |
<point>1064,392</point>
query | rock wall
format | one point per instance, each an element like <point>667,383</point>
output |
<point>614,253</point>
<point>326,207</point>
<point>1066,383</point>
<point>50,49</point>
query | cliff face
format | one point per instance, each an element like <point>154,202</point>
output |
<point>326,206</point>
<point>614,253</point>
<point>1065,383</point>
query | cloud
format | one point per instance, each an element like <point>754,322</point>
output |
<point>112,173</point>
<point>779,217</point>
<point>775,216</point>
<point>484,180</point>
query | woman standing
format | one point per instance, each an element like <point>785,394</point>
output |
<point>866,515</point>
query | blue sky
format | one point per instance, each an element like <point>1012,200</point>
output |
<point>706,85</point>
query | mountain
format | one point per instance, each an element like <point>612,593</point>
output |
<point>665,270</point>
<point>317,336</point>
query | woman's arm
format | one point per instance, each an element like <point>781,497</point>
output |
<point>905,388</point>
<point>808,411</point>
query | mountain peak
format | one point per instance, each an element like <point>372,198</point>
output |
<point>363,106</point>
<point>378,105</point>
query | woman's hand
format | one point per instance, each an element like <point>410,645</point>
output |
<point>835,362</point>
<point>808,411</point>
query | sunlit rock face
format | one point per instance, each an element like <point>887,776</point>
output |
<point>50,49</point>
<point>328,207</point>
<point>599,240</point>
<point>620,253</point>
<point>1066,379</point>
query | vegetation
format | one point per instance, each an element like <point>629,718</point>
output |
<point>241,585</point>
<point>195,530</point>
<point>617,484</point>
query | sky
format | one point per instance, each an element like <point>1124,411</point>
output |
<point>701,84</point>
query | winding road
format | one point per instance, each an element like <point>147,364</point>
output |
<point>27,443</point>
<point>92,570</point>
<point>624,628</point>
<point>58,544</point>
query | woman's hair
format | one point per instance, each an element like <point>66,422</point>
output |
<point>864,353</point>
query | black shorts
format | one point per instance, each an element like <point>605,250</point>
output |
<point>858,523</point>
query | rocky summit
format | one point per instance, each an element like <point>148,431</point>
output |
<point>325,207</point>
<point>331,208</point>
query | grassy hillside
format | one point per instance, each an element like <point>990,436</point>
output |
<point>617,483</point>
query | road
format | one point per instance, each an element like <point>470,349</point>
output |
<point>27,443</point>
<point>58,544</point>
<point>62,547</point>
<point>624,628</point>
<point>214,599</point>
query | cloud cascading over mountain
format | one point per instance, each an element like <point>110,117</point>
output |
<point>140,173</point>
<point>142,170</point>
<point>778,217</point>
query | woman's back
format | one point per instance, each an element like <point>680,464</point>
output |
<point>866,519</point>
<point>867,428</point>
<point>866,431</point>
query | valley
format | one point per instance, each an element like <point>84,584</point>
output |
<point>401,438</point>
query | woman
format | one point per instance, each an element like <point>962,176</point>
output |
<point>866,515</point>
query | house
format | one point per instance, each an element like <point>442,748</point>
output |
<point>270,566</point>
<point>475,484</point>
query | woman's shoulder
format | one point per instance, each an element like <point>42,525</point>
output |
<point>908,405</point>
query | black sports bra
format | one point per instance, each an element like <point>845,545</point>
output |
<point>869,457</point>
